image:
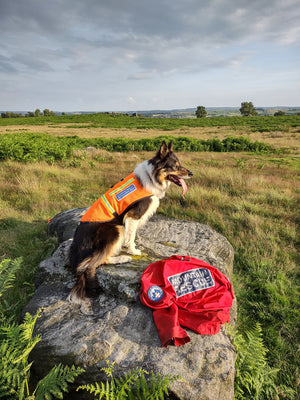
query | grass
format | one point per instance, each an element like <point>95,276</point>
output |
<point>251,199</point>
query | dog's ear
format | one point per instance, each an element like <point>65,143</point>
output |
<point>170,147</point>
<point>163,151</point>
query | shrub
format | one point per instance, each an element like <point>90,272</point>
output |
<point>28,147</point>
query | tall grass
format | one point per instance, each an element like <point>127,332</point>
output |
<point>252,202</point>
<point>257,211</point>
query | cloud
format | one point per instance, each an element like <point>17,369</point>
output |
<point>131,100</point>
<point>142,76</point>
<point>6,65</point>
<point>151,32</point>
<point>116,43</point>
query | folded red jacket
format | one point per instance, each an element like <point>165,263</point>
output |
<point>185,291</point>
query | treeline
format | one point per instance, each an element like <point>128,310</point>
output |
<point>42,147</point>
<point>11,115</point>
<point>247,110</point>
<point>36,113</point>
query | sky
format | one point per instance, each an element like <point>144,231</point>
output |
<point>129,55</point>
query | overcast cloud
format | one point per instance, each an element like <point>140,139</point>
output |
<point>106,55</point>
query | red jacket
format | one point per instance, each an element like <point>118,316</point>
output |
<point>189,292</point>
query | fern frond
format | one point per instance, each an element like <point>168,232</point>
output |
<point>124,384</point>
<point>19,337</point>
<point>12,374</point>
<point>255,379</point>
<point>15,347</point>
<point>109,370</point>
<point>158,386</point>
<point>103,390</point>
<point>9,330</point>
<point>56,382</point>
<point>8,269</point>
<point>28,325</point>
<point>132,386</point>
<point>140,390</point>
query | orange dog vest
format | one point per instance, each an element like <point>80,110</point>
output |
<point>116,200</point>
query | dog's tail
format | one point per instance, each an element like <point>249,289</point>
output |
<point>106,245</point>
<point>86,277</point>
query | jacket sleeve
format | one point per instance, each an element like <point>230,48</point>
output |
<point>168,328</point>
<point>165,316</point>
<point>205,322</point>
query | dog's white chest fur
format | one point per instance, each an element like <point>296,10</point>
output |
<point>131,226</point>
<point>144,171</point>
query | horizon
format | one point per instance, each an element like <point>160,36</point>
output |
<point>220,108</point>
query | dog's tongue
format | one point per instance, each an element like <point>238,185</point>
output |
<point>183,185</point>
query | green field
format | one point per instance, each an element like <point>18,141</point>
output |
<point>260,124</point>
<point>249,194</point>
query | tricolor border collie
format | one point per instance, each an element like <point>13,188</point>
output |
<point>102,232</point>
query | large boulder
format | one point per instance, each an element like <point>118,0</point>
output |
<point>120,329</point>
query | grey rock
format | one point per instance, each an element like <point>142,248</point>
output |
<point>121,329</point>
<point>64,224</point>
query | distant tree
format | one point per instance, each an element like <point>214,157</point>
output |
<point>30,114</point>
<point>201,112</point>
<point>38,113</point>
<point>48,113</point>
<point>279,113</point>
<point>247,109</point>
<point>11,115</point>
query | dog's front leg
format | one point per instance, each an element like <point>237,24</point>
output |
<point>131,226</point>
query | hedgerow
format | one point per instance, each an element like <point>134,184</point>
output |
<point>32,147</point>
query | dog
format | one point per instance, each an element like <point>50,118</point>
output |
<point>103,230</point>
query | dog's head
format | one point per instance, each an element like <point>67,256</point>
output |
<point>167,168</point>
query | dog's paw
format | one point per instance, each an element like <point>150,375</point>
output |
<point>135,252</point>
<point>119,260</point>
<point>85,305</point>
<point>124,259</point>
<point>74,298</point>
<point>86,308</point>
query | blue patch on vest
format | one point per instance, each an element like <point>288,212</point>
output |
<point>191,281</point>
<point>155,293</point>
<point>125,192</point>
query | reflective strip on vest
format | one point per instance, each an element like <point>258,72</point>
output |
<point>116,200</point>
